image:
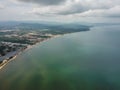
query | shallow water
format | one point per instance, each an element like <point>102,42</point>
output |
<point>79,61</point>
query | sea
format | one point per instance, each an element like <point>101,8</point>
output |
<point>87,60</point>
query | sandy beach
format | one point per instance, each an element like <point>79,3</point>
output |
<point>5,62</point>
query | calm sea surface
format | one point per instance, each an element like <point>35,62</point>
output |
<point>80,61</point>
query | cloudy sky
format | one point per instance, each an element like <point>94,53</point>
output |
<point>60,10</point>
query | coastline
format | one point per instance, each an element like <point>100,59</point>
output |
<point>5,62</point>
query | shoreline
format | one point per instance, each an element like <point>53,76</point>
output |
<point>5,62</point>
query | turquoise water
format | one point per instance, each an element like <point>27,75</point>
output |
<point>79,61</point>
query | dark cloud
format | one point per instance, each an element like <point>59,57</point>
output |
<point>45,2</point>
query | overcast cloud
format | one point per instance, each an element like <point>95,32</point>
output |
<point>36,9</point>
<point>71,7</point>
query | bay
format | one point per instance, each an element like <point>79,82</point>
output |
<point>79,61</point>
